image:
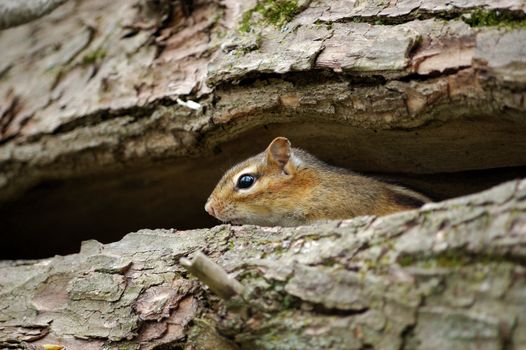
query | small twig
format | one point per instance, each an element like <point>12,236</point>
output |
<point>212,275</point>
<point>189,104</point>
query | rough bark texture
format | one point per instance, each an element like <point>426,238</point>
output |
<point>449,276</point>
<point>123,114</point>
<point>14,13</point>
<point>106,105</point>
<point>107,79</point>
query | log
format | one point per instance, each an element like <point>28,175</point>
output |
<point>120,115</point>
<point>14,13</point>
<point>152,103</point>
<point>451,275</point>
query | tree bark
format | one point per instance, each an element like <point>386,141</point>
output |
<point>449,276</point>
<point>121,101</point>
<point>119,115</point>
<point>393,79</point>
<point>14,13</point>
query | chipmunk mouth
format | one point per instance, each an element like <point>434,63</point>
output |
<point>234,222</point>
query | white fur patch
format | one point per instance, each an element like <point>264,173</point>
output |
<point>295,161</point>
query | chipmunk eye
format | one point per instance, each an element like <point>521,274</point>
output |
<point>245,181</point>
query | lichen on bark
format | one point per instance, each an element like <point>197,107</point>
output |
<point>138,106</point>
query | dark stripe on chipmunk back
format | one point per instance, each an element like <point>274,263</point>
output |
<point>407,200</point>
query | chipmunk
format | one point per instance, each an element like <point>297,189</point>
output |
<point>285,186</point>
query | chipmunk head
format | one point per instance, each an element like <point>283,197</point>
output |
<point>261,190</point>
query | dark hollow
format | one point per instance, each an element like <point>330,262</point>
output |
<point>55,216</point>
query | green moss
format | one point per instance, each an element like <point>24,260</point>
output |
<point>452,260</point>
<point>125,345</point>
<point>495,18</point>
<point>287,301</point>
<point>406,260</point>
<point>276,12</point>
<point>449,260</point>
<point>94,56</point>
<point>446,260</point>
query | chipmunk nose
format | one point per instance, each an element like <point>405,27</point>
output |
<point>209,208</point>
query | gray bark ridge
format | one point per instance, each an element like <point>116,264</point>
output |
<point>410,68</point>
<point>14,13</point>
<point>451,275</point>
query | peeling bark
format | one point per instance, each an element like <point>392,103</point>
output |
<point>123,114</point>
<point>112,84</point>
<point>113,110</point>
<point>449,276</point>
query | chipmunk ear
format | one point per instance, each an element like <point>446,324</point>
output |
<point>279,152</point>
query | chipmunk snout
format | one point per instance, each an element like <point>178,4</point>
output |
<point>209,208</point>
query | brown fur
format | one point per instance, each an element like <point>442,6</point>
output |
<point>294,188</point>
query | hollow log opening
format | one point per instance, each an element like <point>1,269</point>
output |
<point>118,122</point>
<point>118,116</point>
<point>443,161</point>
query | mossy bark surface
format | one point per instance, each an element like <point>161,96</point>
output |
<point>449,276</point>
<point>108,105</point>
<point>122,115</point>
<point>107,87</point>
